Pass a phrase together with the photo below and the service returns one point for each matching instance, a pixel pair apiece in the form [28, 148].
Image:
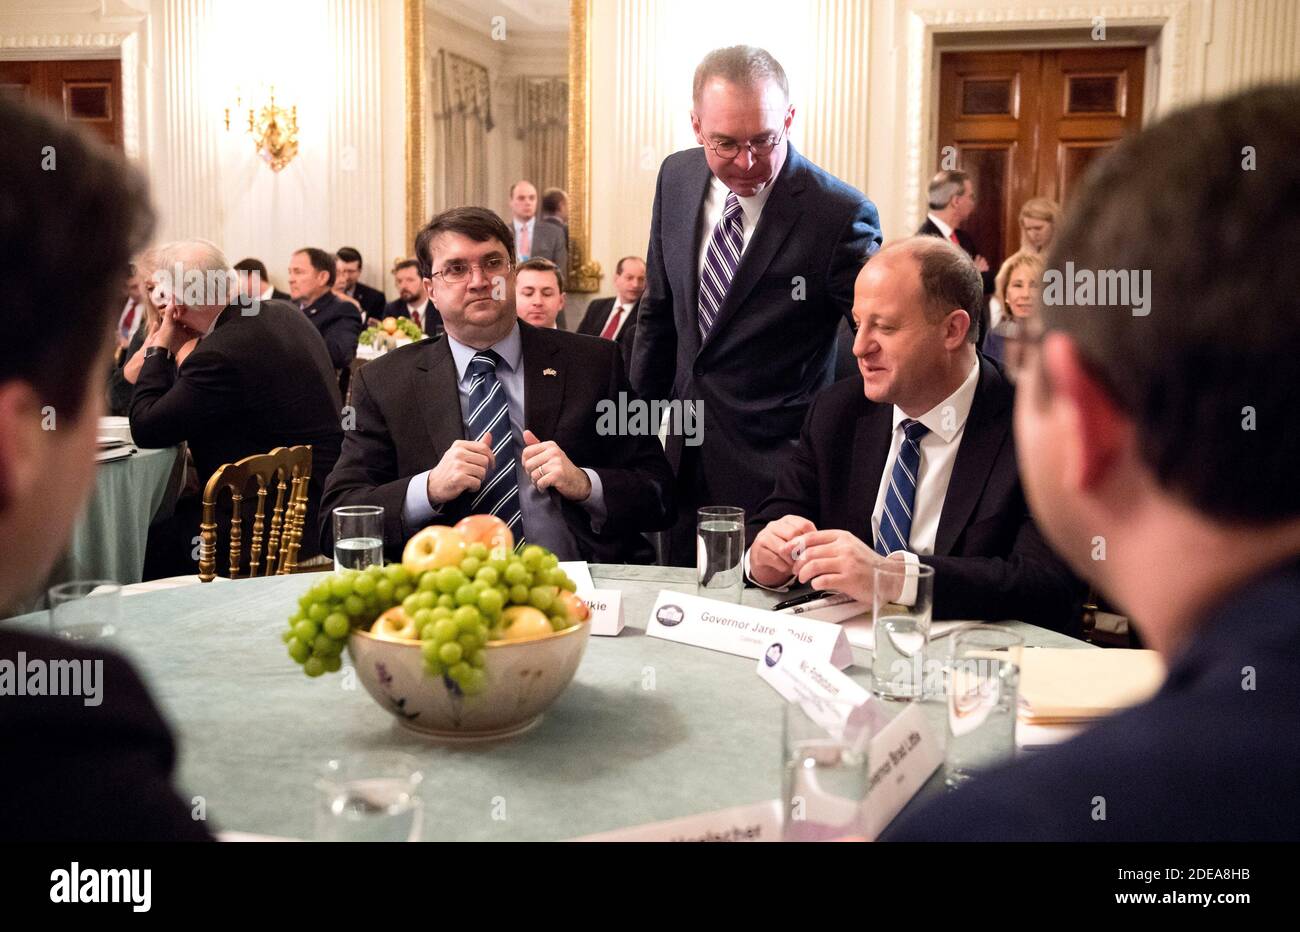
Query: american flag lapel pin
[549, 372]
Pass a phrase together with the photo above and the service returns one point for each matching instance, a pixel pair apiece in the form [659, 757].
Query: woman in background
[1040, 218]
[158, 301]
[1016, 288]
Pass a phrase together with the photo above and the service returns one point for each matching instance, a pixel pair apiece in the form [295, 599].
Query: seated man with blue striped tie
[915, 461]
[498, 417]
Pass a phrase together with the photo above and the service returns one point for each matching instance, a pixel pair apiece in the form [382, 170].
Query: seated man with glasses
[499, 417]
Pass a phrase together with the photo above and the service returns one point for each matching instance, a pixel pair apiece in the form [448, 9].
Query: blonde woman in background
[1016, 289]
[158, 301]
[1040, 218]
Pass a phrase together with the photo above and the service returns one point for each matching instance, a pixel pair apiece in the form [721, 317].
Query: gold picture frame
[584, 273]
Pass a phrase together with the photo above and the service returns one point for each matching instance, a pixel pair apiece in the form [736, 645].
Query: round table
[648, 730]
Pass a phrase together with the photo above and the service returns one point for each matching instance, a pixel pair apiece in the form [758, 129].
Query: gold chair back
[287, 470]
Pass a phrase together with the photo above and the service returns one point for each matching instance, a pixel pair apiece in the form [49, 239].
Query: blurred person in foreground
[95, 766]
[1166, 424]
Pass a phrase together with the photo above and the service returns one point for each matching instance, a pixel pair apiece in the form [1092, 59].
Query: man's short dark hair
[1206, 369]
[538, 264]
[476, 223]
[553, 200]
[253, 265]
[348, 254]
[321, 261]
[72, 214]
[618, 269]
[744, 65]
[949, 279]
[405, 264]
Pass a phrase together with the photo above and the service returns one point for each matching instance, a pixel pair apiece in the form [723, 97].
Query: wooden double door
[86, 92]
[1029, 123]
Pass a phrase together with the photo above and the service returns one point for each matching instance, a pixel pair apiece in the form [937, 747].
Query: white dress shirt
[715, 202]
[943, 227]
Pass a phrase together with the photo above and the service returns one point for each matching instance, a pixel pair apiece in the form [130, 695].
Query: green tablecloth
[610, 753]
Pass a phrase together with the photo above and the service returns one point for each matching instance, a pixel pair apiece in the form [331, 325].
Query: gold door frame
[584, 273]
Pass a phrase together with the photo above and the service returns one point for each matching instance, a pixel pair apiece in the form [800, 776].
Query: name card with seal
[756, 822]
[606, 607]
[829, 697]
[741, 630]
[901, 759]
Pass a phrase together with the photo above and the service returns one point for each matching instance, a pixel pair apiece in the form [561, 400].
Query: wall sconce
[273, 129]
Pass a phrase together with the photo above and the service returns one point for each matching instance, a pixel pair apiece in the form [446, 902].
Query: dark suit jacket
[340, 324]
[551, 241]
[768, 353]
[432, 324]
[988, 278]
[255, 383]
[1205, 759]
[88, 773]
[408, 414]
[989, 560]
[372, 300]
[593, 322]
[279, 295]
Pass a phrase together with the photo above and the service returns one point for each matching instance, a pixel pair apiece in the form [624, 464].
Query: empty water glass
[85, 609]
[983, 688]
[825, 773]
[373, 797]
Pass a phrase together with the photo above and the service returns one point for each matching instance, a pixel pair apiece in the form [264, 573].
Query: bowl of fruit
[465, 639]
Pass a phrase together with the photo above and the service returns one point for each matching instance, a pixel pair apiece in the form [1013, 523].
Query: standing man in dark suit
[538, 237]
[96, 766]
[615, 318]
[413, 300]
[914, 461]
[753, 253]
[347, 281]
[952, 200]
[311, 278]
[1158, 445]
[256, 381]
[498, 417]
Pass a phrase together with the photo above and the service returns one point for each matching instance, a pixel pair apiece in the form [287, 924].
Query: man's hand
[769, 560]
[548, 467]
[461, 469]
[981, 264]
[171, 333]
[838, 560]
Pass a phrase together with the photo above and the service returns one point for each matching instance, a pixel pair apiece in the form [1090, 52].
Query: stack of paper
[1063, 690]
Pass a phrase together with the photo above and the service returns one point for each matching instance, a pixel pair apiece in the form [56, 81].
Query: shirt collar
[750, 206]
[943, 227]
[944, 425]
[510, 348]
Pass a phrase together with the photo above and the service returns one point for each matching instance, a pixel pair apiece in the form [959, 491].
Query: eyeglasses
[453, 273]
[729, 150]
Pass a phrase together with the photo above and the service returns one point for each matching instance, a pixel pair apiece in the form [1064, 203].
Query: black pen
[809, 597]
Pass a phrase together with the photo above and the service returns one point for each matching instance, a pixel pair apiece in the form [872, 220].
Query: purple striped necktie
[720, 262]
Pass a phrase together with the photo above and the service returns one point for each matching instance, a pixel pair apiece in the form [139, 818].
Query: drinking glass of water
[358, 537]
[372, 797]
[85, 609]
[720, 547]
[825, 776]
[983, 688]
[901, 601]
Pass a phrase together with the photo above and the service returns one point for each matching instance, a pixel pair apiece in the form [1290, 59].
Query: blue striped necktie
[896, 518]
[499, 493]
[720, 262]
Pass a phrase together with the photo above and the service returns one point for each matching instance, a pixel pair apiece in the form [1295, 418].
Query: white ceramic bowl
[523, 679]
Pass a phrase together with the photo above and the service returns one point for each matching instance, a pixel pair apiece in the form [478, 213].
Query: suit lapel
[544, 379]
[685, 232]
[870, 449]
[983, 437]
[778, 219]
[434, 376]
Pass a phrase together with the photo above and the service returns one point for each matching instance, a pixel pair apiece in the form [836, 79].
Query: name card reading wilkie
[606, 607]
[738, 629]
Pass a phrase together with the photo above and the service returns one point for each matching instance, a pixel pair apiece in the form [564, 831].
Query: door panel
[85, 92]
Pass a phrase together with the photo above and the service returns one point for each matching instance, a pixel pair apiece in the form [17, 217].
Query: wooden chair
[288, 470]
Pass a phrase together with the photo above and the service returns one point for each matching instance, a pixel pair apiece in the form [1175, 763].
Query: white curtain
[542, 117]
[462, 118]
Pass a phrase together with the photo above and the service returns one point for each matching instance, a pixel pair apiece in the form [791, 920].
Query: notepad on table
[1061, 685]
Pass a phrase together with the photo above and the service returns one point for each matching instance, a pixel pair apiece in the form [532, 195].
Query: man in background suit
[1160, 426]
[498, 417]
[255, 281]
[615, 318]
[952, 200]
[914, 461]
[97, 766]
[536, 237]
[256, 381]
[311, 278]
[555, 209]
[413, 300]
[347, 281]
[753, 253]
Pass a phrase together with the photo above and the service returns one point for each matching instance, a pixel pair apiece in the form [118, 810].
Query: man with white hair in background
[260, 378]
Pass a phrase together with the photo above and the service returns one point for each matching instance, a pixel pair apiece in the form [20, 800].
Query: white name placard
[757, 822]
[828, 696]
[901, 759]
[741, 630]
[606, 607]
